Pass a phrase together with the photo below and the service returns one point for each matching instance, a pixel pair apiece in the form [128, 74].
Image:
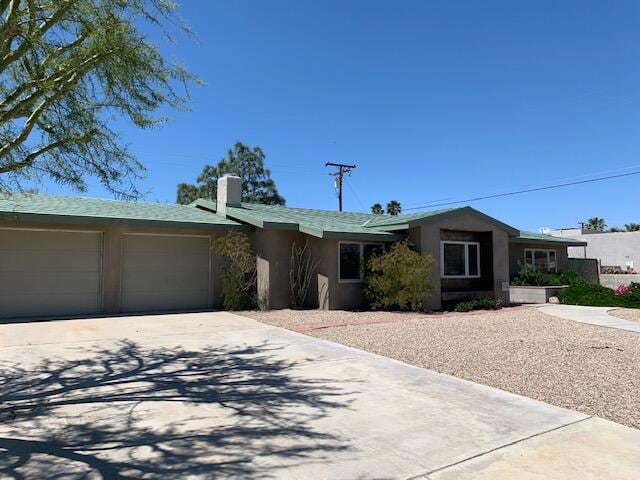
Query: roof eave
[549, 241]
[90, 220]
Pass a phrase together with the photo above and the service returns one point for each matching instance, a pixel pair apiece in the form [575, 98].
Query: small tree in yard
[398, 278]
[239, 275]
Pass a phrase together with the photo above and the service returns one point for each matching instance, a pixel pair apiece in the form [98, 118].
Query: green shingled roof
[530, 237]
[94, 210]
[319, 223]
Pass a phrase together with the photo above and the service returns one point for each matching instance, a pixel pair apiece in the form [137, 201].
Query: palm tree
[377, 209]
[596, 223]
[394, 207]
[632, 227]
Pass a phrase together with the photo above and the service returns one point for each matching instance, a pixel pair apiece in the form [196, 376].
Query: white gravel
[577, 366]
[632, 314]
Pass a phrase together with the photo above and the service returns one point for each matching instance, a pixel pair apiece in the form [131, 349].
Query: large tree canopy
[241, 160]
[68, 68]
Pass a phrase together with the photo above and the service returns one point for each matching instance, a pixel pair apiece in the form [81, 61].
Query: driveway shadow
[134, 412]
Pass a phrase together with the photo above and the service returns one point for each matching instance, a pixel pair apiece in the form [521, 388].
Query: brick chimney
[229, 193]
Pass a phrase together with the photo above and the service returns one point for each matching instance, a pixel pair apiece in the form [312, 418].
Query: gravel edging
[581, 367]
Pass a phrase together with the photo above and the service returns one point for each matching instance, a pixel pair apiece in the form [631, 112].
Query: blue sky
[432, 100]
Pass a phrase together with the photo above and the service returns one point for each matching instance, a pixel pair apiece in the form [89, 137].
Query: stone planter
[527, 294]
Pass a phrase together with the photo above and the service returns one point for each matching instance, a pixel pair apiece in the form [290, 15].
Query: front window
[460, 259]
[353, 259]
[541, 260]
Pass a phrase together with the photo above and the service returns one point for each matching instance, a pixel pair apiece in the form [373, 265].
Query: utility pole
[338, 174]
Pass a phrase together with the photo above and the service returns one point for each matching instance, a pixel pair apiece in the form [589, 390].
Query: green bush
[398, 278]
[595, 295]
[478, 304]
[238, 271]
[530, 277]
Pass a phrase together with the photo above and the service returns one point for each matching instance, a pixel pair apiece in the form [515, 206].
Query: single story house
[74, 255]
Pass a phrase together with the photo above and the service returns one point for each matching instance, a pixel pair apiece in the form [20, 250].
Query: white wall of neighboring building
[611, 248]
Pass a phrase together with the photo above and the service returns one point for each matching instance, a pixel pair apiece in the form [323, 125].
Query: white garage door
[165, 272]
[45, 273]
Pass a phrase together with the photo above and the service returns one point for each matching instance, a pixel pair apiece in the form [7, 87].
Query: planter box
[614, 280]
[526, 294]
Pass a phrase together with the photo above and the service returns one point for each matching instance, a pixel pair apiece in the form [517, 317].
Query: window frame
[361, 260]
[466, 258]
[533, 258]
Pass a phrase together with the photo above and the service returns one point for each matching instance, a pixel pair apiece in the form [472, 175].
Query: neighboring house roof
[87, 210]
[332, 224]
[530, 237]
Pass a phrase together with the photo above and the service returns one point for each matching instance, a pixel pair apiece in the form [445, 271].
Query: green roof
[319, 223]
[530, 237]
[93, 210]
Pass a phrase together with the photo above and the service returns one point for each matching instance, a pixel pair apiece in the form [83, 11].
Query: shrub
[530, 277]
[595, 295]
[301, 270]
[238, 271]
[478, 304]
[398, 278]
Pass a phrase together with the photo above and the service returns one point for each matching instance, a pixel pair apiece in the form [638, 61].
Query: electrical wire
[528, 190]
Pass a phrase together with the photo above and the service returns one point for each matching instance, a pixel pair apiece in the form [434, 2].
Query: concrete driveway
[215, 395]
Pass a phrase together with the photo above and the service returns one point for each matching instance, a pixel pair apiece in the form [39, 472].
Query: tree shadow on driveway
[135, 412]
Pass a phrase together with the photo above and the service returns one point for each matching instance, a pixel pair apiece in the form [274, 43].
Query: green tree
[67, 69]
[399, 278]
[239, 274]
[615, 229]
[596, 223]
[377, 209]
[248, 164]
[394, 207]
[632, 227]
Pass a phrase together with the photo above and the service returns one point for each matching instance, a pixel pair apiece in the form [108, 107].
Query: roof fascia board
[458, 211]
[86, 220]
[568, 243]
[358, 236]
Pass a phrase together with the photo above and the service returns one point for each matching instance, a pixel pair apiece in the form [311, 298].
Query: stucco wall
[516, 255]
[429, 237]
[612, 249]
[112, 255]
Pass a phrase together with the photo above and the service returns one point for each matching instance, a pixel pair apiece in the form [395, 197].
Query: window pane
[453, 258]
[473, 260]
[552, 261]
[350, 261]
[540, 260]
[528, 257]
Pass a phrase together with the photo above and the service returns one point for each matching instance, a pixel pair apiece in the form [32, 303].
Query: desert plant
[478, 304]
[238, 271]
[398, 278]
[530, 277]
[596, 295]
[301, 269]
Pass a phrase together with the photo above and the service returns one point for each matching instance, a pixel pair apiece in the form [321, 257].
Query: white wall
[612, 249]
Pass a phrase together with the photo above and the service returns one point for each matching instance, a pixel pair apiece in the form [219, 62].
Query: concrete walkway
[592, 315]
[215, 395]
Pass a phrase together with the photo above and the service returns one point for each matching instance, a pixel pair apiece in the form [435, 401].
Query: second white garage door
[165, 272]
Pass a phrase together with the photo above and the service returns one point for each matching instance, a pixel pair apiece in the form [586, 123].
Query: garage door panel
[165, 282]
[154, 262]
[49, 272]
[165, 272]
[50, 240]
[43, 261]
[166, 244]
[16, 283]
[34, 305]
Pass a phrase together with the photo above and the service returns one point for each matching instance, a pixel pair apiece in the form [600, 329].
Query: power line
[517, 192]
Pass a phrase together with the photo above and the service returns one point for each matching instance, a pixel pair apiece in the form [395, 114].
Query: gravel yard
[632, 314]
[582, 367]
